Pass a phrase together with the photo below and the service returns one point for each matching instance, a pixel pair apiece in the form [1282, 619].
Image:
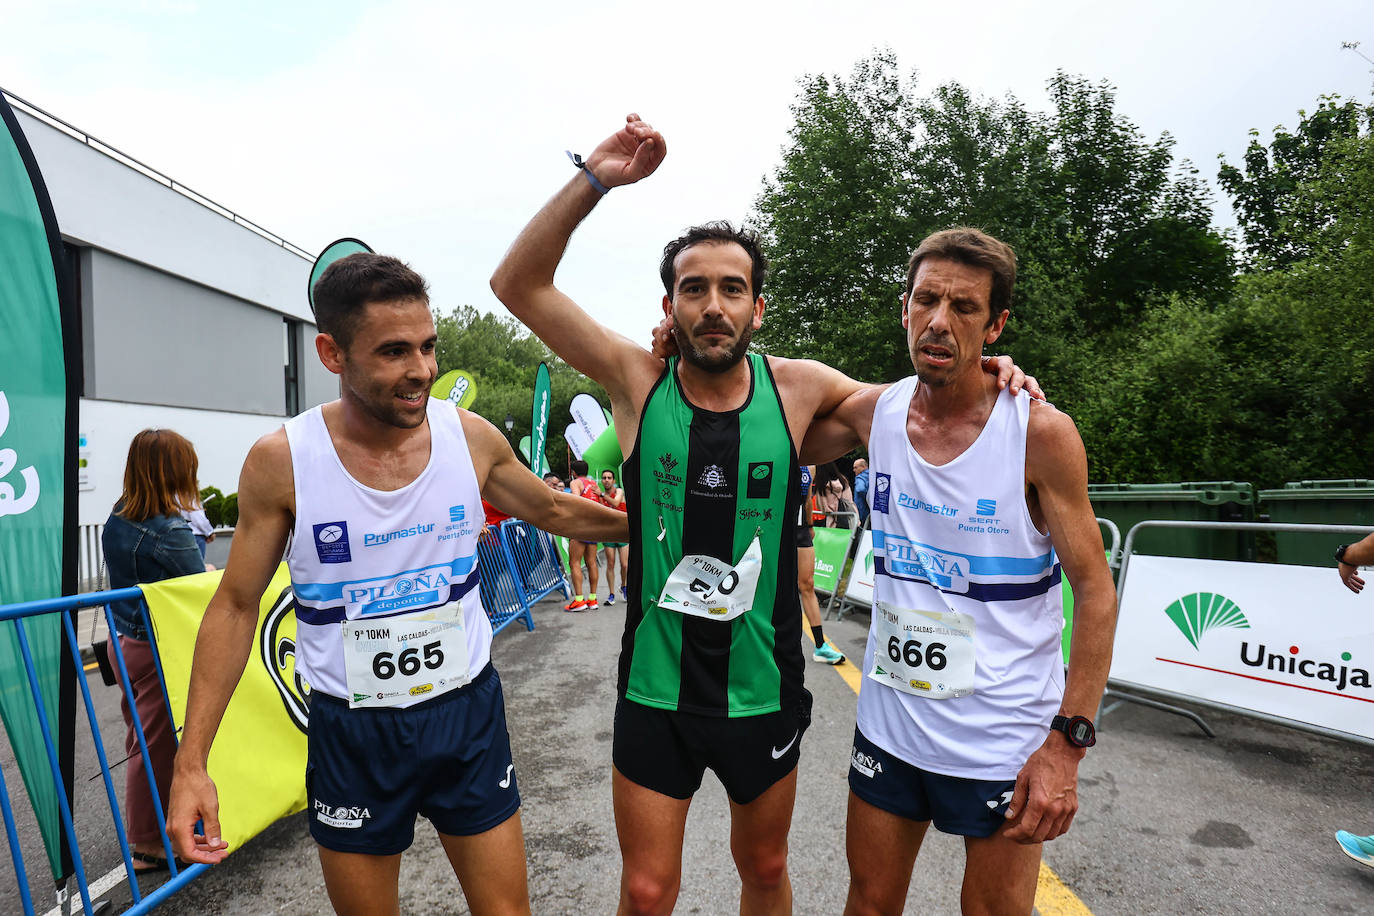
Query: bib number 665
[910, 653]
[408, 661]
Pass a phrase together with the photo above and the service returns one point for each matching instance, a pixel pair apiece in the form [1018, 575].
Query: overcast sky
[435, 130]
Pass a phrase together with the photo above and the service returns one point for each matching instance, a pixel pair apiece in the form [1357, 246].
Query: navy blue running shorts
[370, 771]
[965, 807]
[669, 751]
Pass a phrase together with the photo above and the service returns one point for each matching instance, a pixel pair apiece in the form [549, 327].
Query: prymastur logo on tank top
[331, 542]
[908, 560]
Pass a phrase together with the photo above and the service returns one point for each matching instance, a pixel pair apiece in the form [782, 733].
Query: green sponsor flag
[524, 450]
[832, 545]
[40, 353]
[456, 386]
[539, 421]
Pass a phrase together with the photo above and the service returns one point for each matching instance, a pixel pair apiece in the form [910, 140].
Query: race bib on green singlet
[927, 654]
[397, 659]
[703, 586]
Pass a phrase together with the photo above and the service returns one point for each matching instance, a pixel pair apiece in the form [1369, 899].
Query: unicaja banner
[40, 353]
[258, 758]
[1288, 641]
[832, 546]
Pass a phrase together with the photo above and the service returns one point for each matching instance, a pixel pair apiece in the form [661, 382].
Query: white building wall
[106, 204]
[222, 441]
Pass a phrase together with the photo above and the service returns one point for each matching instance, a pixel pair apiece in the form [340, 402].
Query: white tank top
[359, 552]
[959, 538]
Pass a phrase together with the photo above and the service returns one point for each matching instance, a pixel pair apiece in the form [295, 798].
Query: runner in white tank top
[369, 556]
[380, 494]
[956, 545]
[979, 501]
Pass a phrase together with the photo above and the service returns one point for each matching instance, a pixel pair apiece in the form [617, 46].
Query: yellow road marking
[1052, 895]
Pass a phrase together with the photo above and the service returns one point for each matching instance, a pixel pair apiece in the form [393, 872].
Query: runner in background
[614, 553]
[806, 574]
[580, 552]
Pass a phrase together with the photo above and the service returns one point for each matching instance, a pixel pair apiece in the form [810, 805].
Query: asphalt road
[1170, 821]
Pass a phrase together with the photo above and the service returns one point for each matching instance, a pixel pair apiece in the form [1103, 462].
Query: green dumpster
[1326, 502]
[1205, 501]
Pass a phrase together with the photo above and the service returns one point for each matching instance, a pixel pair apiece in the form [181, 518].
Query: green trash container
[1195, 501]
[1326, 502]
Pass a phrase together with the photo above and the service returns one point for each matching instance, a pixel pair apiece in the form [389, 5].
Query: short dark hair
[720, 233]
[579, 467]
[973, 248]
[350, 283]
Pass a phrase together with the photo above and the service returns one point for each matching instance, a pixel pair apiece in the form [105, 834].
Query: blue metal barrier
[537, 566]
[502, 594]
[179, 877]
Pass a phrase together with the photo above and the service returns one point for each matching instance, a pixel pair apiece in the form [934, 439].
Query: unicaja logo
[10, 504]
[1199, 612]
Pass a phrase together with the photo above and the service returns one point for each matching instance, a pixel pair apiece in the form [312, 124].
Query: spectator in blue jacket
[147, 540]
[861, 488]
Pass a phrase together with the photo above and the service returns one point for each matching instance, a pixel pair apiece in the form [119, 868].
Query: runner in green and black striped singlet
[702, 482]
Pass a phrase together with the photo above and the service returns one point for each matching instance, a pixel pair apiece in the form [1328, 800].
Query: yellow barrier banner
[258, 758]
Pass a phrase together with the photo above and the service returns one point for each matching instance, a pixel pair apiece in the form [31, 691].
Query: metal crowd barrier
[502, 594]
[1153, 697]
[178, 877]
[537, 566]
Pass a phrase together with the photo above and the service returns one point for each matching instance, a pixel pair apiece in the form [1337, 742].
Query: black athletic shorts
[964, 807]
[669, 751]
[805, 536]
[370, 771]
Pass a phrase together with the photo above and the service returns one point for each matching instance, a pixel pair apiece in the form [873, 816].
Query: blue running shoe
[1359, 848]
[827, 654]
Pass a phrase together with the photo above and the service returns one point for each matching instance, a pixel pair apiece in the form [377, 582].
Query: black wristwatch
[1078, 729]
[1340, 555]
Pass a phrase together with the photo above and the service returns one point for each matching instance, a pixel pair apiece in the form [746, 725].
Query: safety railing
[502, 595]
[537, 566]
[15, 615]
[1155, 697]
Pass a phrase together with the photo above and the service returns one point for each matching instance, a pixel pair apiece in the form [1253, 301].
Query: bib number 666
[408, 662]
[910, 652]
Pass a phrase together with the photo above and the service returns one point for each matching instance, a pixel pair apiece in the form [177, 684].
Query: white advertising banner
[1288, 641]
[860, 588]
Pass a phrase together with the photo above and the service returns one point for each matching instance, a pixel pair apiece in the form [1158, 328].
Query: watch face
[1081, 732]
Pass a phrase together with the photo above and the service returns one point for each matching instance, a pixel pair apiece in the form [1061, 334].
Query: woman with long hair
[833, 496]
[147, 540]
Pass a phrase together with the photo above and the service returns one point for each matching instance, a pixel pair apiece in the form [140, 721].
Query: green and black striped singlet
[701, 482]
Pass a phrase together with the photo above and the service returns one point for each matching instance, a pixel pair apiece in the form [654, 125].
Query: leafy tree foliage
[1128, 304]
[1101, 219]
[1281, 219]
[503, 356]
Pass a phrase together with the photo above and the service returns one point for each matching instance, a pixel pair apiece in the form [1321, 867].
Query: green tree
[503, 356]
[1272, 191]
[1102, 220]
